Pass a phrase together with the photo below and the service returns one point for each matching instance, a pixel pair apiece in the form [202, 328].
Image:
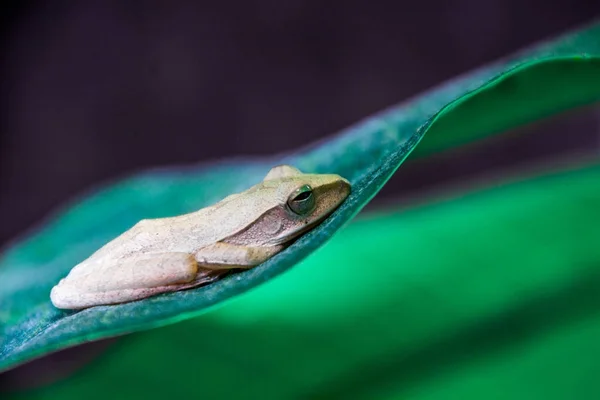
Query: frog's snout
[343, 188]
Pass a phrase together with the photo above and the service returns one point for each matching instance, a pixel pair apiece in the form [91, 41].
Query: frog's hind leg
[131, 278]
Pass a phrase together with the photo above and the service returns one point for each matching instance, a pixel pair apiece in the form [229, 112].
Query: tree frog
[175, 253]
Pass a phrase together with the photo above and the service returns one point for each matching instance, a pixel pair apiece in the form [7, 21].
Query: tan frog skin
[169, 254]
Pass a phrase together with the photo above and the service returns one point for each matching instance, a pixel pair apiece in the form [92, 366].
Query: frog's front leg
[223, 255]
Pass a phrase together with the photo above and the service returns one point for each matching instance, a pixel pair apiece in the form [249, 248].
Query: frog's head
[302, 201]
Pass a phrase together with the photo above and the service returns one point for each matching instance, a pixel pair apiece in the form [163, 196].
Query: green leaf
[492, 294]
[367, 154]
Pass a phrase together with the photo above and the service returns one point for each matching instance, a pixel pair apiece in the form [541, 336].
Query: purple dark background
[94, 90]
[97, 89]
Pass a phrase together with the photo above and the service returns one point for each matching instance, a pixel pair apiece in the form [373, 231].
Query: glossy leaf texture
[488, 294]
[536, 82]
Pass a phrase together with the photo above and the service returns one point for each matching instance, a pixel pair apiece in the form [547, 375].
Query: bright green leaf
[367, 154]
[486, 295]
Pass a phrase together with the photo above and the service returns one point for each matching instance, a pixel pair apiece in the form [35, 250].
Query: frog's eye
[302, 201]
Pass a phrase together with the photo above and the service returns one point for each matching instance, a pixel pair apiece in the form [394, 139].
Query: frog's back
[190, 232]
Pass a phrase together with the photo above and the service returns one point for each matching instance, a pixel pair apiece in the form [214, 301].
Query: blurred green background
[484, 294]
[485, 287]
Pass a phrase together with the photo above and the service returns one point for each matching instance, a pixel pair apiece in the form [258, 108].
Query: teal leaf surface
[531, 84]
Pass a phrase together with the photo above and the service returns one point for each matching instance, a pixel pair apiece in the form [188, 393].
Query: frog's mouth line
[288, 241]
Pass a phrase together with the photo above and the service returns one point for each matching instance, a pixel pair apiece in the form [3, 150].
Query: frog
[241, 231]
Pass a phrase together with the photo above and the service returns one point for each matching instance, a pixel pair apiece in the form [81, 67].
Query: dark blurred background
[94, 90]
[97, 89]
